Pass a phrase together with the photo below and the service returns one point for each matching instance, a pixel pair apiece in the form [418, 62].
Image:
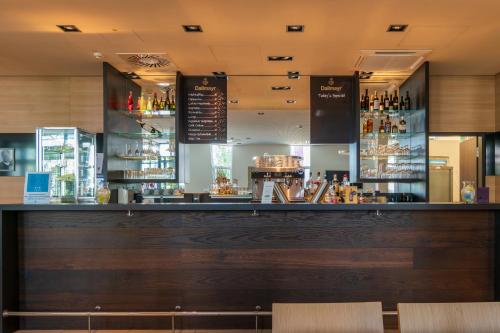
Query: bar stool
[328, 317]
[449, 317]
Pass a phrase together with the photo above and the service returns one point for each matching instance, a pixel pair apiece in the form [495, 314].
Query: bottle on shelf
[362, 102]
[401, 103]
[386, 101]
[141, 103]
[395, 128]
[391, 106]
[155, 103]
[381, 128]
[365, 126]
[130, 102]
[149, 105]
[369, 125]
[167, 101]
[376, 102]
[172, 101]
[367, 100]
[402, 125]
[381, 105]
[387, 125]
[407, 101]
[161, 106]
[395, 101]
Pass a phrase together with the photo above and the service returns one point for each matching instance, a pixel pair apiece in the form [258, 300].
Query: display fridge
[69, 155]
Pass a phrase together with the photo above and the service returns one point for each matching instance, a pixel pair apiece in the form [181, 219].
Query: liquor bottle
[365, 126]
[130, 102]
[401, 103]
[395, 128]
[143, 104]
[381, 105]
[172, 101]
[167, 101]
[391, 106]
[407, 101]
[376, 102]
[336, 186]
[362, 102]
[161, 106]
[155, 104]
[369, 125]
[395, 101]
[149, 105]
[370, 104]
[402, 125]
[386, 101]
[387, 125]
[381, 128]
[367, 100]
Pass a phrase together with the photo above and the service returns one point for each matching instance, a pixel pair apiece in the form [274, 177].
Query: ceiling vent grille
[390, 61]
[146, 60]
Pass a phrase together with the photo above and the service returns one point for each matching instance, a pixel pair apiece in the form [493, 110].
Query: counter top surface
[249, 206]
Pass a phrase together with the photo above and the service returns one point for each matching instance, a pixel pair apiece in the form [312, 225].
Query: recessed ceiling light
[291, 101]
[295, 28]
[68, 28]
[192, 28]
[293, 75]
[397, 27]
[279, 58]
[234, 101]
[220, 75]
[260, 113]
[163, 84]
[366, 73]
[281, 88]
[364, 77]
[131, 75]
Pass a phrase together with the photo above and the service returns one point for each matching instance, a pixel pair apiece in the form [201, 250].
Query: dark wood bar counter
[234, 257]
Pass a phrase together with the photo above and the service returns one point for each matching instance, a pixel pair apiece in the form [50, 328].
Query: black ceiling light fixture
[293, 75]
[192, 28]
[68, 28]
[365, 75]
[279, 58]
[220, 75]
[397, 27]
[281, 88]
[234, 101]
[291, 101]
[295, 28]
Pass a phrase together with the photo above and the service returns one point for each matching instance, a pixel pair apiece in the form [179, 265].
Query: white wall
[198, 172]
[326, 157]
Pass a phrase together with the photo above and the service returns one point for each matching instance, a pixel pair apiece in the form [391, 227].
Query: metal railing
[173, 314]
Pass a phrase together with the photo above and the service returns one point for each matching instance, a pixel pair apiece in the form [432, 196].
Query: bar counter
[236, 256]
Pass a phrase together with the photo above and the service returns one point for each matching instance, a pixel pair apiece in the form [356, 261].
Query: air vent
[148, 60]
[390, 61]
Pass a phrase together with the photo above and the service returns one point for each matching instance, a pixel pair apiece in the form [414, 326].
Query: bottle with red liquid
[130, 102]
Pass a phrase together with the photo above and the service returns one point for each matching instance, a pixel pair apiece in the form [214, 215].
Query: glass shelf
[144, 135]
[141, 180]
[390, 180]
[377, 135]
[136, 114]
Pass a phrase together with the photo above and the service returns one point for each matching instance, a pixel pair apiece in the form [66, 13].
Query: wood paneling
[497, 102]
[234, 261]
[11, 190]
[462, 104]
[449, 317]
[30, 102]
[493, 183]
[328, 317]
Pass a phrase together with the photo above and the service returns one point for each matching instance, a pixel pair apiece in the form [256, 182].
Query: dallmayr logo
[331, 86]
[204, 86]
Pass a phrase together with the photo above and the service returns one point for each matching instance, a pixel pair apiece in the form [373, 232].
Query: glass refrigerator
[69, 155]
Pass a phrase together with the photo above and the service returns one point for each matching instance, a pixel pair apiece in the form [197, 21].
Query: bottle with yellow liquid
[103, 194]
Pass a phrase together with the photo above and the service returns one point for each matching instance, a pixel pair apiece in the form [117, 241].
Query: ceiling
[238, 34]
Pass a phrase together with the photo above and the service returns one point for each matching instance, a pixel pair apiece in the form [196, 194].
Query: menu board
[204, 118]
[333, 115]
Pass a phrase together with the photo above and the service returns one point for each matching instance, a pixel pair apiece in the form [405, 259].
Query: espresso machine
[285, 171]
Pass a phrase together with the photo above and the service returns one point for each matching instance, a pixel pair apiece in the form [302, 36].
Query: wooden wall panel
[462, 104]
[497, 102]
[11, 190]
[73, 261]
[86, 100]
[30, 102]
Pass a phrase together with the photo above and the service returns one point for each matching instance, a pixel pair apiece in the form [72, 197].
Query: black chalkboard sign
[333, 109]
[204, 110]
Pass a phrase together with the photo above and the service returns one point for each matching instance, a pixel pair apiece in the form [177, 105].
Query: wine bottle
[161, 106]
[143, 105]
[149, 105]
[362, 102]
[402, 125]
[167, 101]
[369, 125]
[401, 103]
[407, 101]
[395, 101]
[172, 102]
[155, 104]
[386, 101]
[376, 102]
[381, 128]
[387, 125]
[367, 100]
[391, 105]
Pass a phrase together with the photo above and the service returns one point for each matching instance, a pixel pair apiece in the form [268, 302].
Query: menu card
[205, 109]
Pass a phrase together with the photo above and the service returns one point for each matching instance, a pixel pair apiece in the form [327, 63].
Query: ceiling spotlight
[279, 58]
[192, 28]
[68, 28]
[364, 77]
[397, 27]
[97, 55]
[281, 88]
[260, 113]
[234, 101]
[295, 28]
[220, 75]
[163, 84]
[291, 101]
[131, 75]
[293, 75]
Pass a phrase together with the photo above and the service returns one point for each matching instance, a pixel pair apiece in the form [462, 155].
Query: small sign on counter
[36, 188]
[267, 192]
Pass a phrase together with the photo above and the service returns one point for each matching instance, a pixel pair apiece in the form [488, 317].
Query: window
[222, 161]
[305, 153]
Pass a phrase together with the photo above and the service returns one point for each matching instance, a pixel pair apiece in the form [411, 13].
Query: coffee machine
[285, 171]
